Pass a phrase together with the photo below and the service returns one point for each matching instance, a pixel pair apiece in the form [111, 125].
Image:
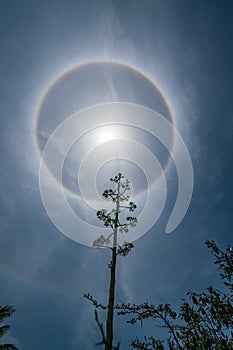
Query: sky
[62, 57]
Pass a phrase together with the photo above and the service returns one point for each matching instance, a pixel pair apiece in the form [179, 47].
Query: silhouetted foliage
[6, 311]
[204, 321]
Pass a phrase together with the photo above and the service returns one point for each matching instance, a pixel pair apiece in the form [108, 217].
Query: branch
[102, 242]
[6, 311]
[8, 347]
[94, 302]
[145, 311]
[125, 249]
[103, 341]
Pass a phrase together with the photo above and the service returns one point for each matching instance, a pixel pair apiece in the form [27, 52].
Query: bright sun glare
[107, 133]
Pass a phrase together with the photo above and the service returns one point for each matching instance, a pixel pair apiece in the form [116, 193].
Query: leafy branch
[204, 321]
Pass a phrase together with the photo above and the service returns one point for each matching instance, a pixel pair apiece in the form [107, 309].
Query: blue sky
[185, 48]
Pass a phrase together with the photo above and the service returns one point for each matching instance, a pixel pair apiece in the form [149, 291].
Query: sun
[107, 133]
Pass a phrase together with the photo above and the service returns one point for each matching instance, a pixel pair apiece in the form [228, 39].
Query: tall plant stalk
[111, 295]
[113, 219]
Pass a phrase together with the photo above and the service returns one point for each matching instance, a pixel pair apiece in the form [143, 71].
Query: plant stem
[111, 296]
